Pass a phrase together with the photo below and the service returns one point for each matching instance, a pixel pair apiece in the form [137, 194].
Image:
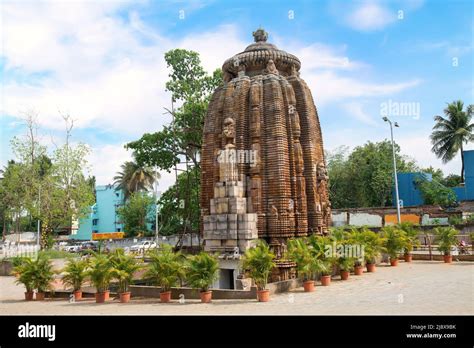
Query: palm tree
[451, 132]
[134, 178]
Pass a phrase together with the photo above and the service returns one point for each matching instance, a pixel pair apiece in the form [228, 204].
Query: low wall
[438, 257]
[6, 267]
[217, 294]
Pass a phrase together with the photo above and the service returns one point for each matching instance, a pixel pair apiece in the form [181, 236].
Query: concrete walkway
[421, 287]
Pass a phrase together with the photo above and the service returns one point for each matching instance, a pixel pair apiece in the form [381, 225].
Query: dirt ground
[421, 287]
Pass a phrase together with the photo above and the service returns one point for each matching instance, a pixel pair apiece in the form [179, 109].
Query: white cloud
[370, 15]
[355, 109]
[328, 86]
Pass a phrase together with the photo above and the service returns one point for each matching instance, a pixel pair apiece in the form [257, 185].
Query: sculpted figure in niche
[321, 172]
[228, 130]
[271, 68]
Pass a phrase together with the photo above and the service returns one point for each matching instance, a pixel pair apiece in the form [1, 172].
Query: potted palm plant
[165, 269]
[325, 268]
[373, 246]
[23, 270]
[411, 239]
[202, 273]
[446, 237]
[43, 275]
[298, 251]
[395, 240]
[355, 238]
[258, 261]
[123, 268]
[345, 265]
[75, 274]
[100, 274]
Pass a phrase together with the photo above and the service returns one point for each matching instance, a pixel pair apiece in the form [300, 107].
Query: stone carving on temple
[264, 106]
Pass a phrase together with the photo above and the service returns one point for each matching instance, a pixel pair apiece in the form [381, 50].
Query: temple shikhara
[263, 167]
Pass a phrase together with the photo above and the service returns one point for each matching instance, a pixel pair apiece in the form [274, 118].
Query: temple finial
[260, 35]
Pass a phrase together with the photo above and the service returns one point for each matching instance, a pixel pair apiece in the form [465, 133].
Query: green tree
[181, 140]
[136, 213]
[450, 133]
[173, 213]
[135, 178]
[364, 178]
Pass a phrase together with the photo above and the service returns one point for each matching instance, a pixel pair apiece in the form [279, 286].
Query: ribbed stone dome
[255, 57]
[277, 186]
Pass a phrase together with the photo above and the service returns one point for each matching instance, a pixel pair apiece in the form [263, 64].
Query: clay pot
[165, 296]
[358, 270]
[78, 295]
[107, 294]
[325, 280]
[206, 296]
[448, 258]
[125, 297]
[29, 295]
[408, 257]
[344, 275]
[40, 296]
[263, 295]
[393, 262]
[101, 297]
[308, 286]
[370, 267]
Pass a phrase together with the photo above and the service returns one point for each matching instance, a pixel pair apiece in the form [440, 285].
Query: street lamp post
[399, 219]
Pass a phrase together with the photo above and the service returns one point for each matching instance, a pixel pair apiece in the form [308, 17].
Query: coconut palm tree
[134, 178]
[451, 132]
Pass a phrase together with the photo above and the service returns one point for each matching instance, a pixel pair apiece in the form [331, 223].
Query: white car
[142, 246]
[72, 248]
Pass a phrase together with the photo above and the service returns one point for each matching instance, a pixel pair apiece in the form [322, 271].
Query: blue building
[410, 195]
[103, 214]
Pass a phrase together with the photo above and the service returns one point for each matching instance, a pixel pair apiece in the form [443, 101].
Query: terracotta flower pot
[263, 295]
[448, 258]
[408, 257]
[29, 295]
[78, 295]
[393, 262]
[358, 270]
[370, 267]
[100, 297]
[344, 275]
[206, 296]
[107, 294]
[40, 296]
[125, 297]
[165, 296]
[325, 280]
[308, 286]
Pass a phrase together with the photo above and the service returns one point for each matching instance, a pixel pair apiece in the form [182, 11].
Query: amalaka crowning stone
[263, 166]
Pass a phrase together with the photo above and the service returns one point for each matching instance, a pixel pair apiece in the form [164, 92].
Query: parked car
[86, 246]
[75, 248]
[143, 245]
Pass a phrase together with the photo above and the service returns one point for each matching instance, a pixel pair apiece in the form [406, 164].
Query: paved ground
[422, 287]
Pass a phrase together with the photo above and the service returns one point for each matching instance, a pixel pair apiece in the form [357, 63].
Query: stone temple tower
[263, 167]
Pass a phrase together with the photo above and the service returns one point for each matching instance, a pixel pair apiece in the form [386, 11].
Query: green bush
[75, 273]
[166, 267]
[258, 262]
[201, 271]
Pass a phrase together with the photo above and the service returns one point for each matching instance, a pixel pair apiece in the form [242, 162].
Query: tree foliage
[136, 214]
[364, 178]
[450, 133]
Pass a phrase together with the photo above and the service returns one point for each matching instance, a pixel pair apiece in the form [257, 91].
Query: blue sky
[102, 62]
